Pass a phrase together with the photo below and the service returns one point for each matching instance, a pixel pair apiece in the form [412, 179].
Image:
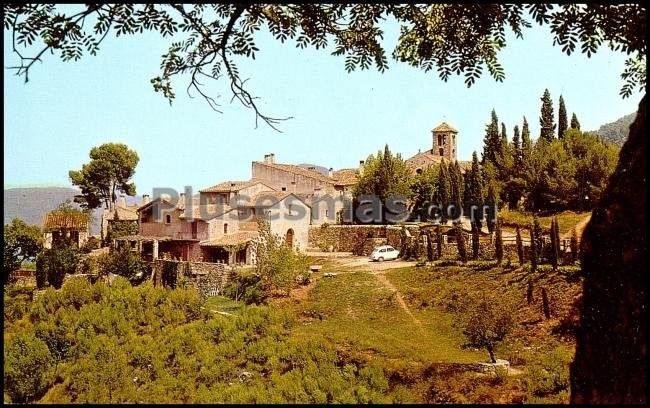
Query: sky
[339, 118]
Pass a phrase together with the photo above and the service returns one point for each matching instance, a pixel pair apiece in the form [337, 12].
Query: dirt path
[400, 300]
[351, 264]
[579, 228]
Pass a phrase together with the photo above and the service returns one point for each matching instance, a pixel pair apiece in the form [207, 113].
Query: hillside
[616, 132]
[31, 204]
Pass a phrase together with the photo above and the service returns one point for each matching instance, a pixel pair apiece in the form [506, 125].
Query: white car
[384, 253]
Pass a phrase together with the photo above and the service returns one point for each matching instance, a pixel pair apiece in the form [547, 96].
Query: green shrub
[549, 373]
[125, 263]
[91, 244]
[53, 264]
[27, 364]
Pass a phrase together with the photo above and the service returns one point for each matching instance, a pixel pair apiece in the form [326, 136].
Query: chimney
[232, 184]
[145, 199]
[361, 162]
[181, 200]
[330, 173]
[269, 158]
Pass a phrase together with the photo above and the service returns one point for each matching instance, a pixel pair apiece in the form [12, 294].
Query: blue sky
[53, 121]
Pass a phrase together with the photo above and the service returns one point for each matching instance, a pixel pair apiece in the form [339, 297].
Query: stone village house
[66, 225]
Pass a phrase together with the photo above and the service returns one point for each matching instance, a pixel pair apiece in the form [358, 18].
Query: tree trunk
[610, 360]
[545, 304]
[491, 351]
[529, 291]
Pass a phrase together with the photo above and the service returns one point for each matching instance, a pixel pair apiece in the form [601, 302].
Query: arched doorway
[288, 239]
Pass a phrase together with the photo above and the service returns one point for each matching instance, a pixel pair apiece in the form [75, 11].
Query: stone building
[443, 147]
[62, 225]
[121, 213]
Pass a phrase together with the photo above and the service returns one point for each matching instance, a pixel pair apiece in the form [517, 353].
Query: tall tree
[475, 194]
[492, 203]
[526, 142]
[546, 118]
[22, 242]
[461, 243]
[444, 190]
[520, 248]
[475, 241]
[498, 242]
[491, 140]
[456, 188]
[518, 157]
[562, 123]
[575, 124]
[109, 171]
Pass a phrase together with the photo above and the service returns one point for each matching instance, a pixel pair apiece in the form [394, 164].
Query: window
[225, 228]
[284, 189]
[168, 219]
[439, 140]
[327, 213]
[382, 250]
[441, 151]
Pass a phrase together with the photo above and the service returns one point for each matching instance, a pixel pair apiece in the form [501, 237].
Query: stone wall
[357, 239]
[207, 277]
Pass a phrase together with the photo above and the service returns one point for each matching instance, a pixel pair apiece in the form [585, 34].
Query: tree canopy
[109, 171]
[210, 41]
[22, 242]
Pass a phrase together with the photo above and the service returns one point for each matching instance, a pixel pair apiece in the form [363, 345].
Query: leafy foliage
[53, 264]
[126, 263]
[108, 172]
[210, 40]
[21, 242]
[27, 367]
[486, 321]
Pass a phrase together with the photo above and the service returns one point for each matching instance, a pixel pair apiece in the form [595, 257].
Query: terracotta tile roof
[444, 127]
[427, 158]
[346, 177]
[267, 199]
[74, 220]
[229, 186]
[301, 171]
[235, 238]
[124, 214]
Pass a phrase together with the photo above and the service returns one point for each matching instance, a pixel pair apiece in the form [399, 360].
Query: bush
[245, 287]
[91, 244]
[125, 263]
[549, 373]
[53, 264]
[27, 362]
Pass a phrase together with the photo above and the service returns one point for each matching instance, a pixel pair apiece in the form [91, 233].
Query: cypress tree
[536, 236]
[475, 241]
[444, 190]
[546, 304]
[546, 120]
[533, 250]
[562, 123]
[516, 147]
[574, 246]
[492, 202]
[460, 241]
[456, 188]
[476, 191]
[492, 140]
[575, 124]
[439, 241]
[529, 291]
[555, 253]
[520, 247]
[498, 242]
[526, 143]
[504, 135]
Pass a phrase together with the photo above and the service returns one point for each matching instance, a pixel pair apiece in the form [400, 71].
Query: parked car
[384, 253]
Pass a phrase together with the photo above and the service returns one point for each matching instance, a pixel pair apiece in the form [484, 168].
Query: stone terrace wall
[209, 278]
[353, 238]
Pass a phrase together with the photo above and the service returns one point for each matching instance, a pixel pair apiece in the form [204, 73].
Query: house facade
[66, 226]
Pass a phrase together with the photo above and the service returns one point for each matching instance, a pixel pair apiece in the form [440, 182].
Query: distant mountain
[616, 132]
[320, 169]
[31, 204]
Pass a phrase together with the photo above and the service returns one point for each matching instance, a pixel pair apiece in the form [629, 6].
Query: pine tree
[562, 124]
[439, 241]
[492, 140]
[475, 241]
[520, 247]
[574, 246]
[517, 150]
[575, 124]
[475, 193]
[444, 190]
[546, 120]
[460, 241]
[498, 242]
